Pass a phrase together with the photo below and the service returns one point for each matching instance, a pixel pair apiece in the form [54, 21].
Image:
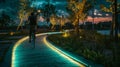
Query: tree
[53, 21]
[10, 8]
[93, 4]
[114, 8]
[62, 21]
[79, 10]
[48, 10]
[4, 19]
[61, 18]
[24, 11]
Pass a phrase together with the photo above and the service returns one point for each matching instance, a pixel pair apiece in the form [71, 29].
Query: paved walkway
[42, 56]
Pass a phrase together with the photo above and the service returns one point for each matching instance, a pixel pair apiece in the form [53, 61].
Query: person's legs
[34, 31]
[30, 33]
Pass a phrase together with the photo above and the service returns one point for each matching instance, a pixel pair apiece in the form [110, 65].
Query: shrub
[90, 45]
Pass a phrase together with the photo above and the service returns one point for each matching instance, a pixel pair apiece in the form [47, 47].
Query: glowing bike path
[43, 55]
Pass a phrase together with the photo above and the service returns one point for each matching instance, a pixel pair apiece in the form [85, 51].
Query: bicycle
[32, 36]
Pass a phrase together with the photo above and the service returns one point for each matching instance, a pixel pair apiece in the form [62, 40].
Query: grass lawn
[91, 45]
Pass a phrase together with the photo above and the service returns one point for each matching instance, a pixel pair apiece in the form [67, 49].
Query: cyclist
[33, 23]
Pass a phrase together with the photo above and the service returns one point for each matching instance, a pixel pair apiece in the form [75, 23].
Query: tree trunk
[116, 21]
[116, 32]
[77, 27]
[112, 28]
[52, 28]
[60, 24]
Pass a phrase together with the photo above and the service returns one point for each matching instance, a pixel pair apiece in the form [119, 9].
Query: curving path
[44, 55]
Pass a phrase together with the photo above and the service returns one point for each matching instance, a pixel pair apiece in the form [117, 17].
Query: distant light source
[39, 11]
[99, 14]
[11, 33]
[107, 14]
[80, 37]
[95, 13]
[66, 34]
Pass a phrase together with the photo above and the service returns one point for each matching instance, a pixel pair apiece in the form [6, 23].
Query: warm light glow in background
[99, 19]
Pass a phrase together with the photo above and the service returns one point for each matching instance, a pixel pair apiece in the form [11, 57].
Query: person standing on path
[32, 23]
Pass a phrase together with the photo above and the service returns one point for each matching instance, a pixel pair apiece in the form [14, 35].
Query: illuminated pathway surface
[24, 55]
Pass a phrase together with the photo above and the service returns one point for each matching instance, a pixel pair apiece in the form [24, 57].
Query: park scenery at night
[59, 33]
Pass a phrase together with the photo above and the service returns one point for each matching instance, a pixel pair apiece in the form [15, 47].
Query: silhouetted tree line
[4, 19]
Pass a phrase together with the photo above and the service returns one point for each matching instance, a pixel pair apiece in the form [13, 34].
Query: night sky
[60, 5]
[100, 16]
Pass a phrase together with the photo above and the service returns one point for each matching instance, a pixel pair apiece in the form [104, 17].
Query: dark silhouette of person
[33, 23]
